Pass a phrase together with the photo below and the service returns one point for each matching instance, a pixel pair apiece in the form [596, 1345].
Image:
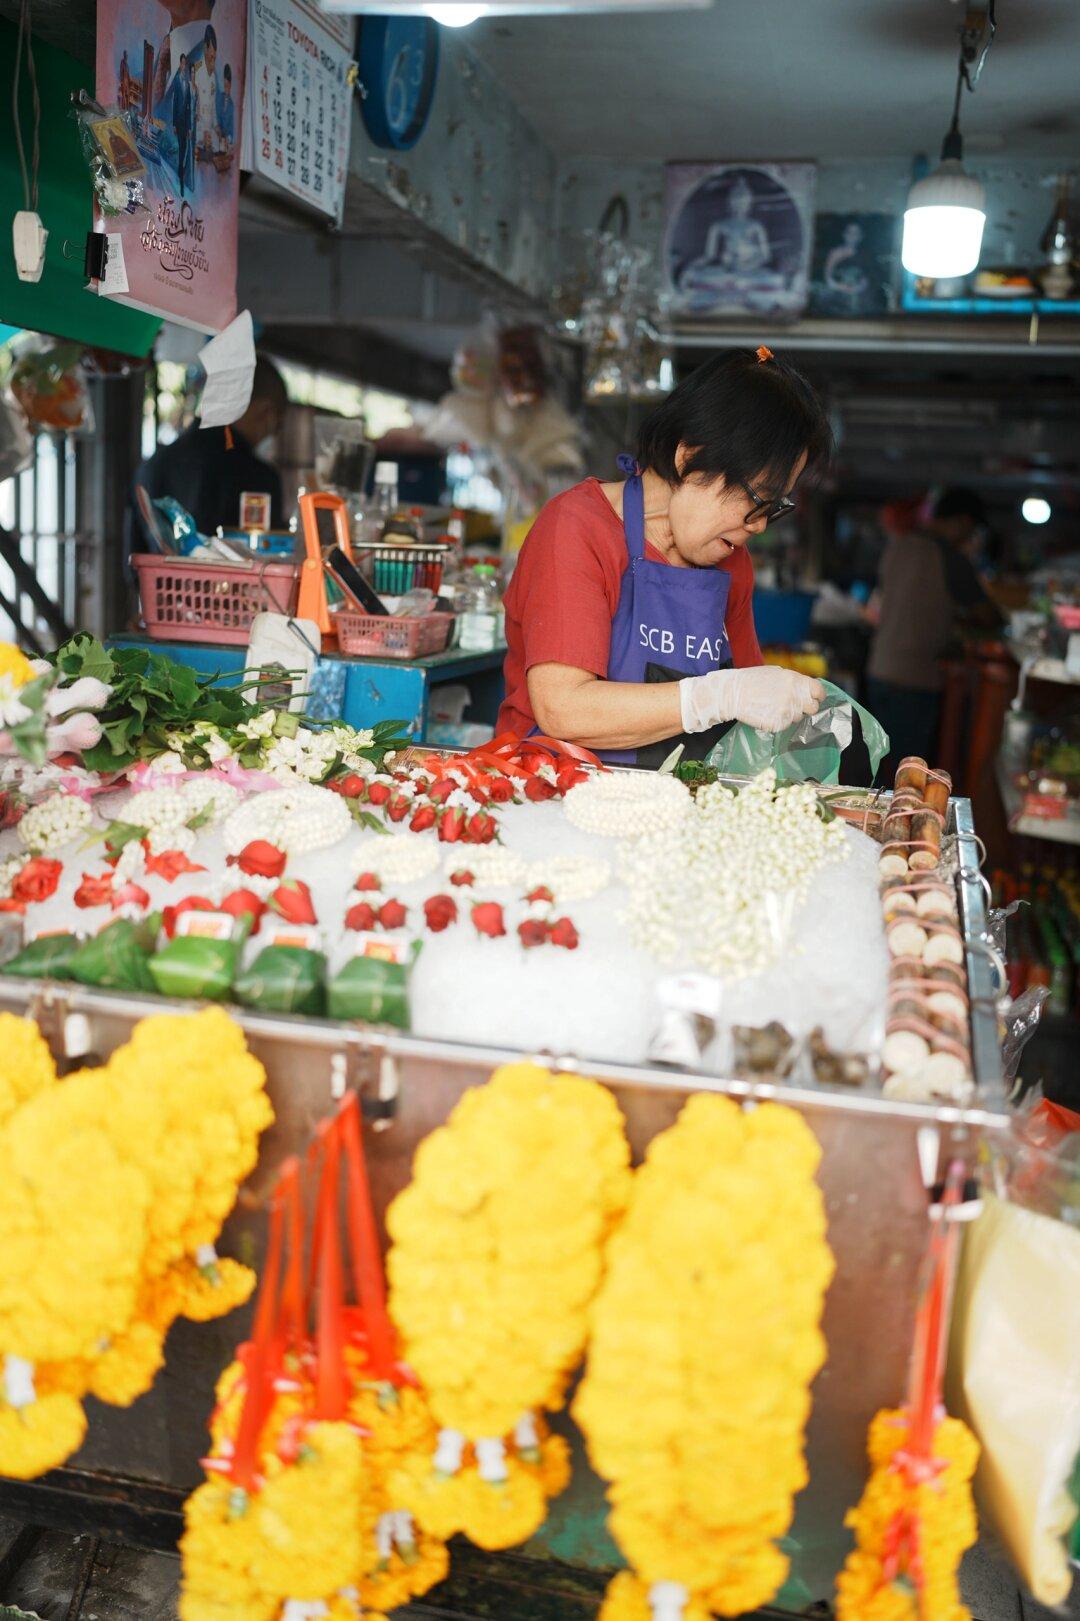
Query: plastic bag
[284, 979]
[46, 958]
[1016, 1379]
[48, 384]
[118, 959]
[1021, 1020]
[110, 147]
[809, 751]
[16, 440]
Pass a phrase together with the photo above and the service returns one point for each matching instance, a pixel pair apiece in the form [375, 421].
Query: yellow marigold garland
[912, 1527]
[497, 1254]
[116, 1183]
[705, 1340]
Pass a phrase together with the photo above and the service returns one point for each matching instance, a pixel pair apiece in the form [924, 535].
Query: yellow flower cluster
[387, 1560]
[497, 1254]
[116, 1183]
[912, 1527]
[705, 1340]
[15, 665]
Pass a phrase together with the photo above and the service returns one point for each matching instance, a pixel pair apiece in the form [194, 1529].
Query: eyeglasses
[772, 509]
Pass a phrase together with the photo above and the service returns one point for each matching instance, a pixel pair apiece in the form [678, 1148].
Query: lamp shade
[943, 223]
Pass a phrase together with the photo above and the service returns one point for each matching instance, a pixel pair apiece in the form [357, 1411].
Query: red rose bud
[451, 824]
[422, 818]
[399, 807]
[130, 894]
[292, 901]
[378, 793]
[541, 894]
[361, 917]
[538, 789]
[366, 882]
[353, 786]
[439, 912]
[36, 881]
[481, 828]
[169, 864]
[260, 859]
[568, 776]
[488, 919]
[94, 891]
[463, 878]
[532, 932]
[243, 901]
[191, 903]
[439, 792]
[392, 915]
[500, 790]
[563, 933]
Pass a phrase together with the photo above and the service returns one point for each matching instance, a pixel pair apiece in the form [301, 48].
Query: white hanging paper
[229, 363]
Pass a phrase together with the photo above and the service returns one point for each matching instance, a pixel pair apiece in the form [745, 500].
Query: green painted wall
[59, 302]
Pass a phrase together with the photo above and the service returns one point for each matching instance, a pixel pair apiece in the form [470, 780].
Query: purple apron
[669, 624]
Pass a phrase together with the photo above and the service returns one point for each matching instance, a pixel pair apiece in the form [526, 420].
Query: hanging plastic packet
[110, 147]
[1021, 1020]
[808, 751]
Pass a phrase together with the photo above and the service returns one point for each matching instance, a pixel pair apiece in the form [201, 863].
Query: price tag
[115, 278]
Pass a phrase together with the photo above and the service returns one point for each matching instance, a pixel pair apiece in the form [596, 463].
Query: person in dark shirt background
[207, 476]
[929, 593]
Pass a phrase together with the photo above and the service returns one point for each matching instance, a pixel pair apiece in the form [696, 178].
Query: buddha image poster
[175, 69]
[738, 237]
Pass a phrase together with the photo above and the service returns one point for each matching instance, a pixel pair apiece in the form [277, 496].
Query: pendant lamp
[946, 211]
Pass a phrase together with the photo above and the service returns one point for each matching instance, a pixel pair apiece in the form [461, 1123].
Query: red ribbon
[364, 1244]
[331, 1387]
[259, 1363]
[511, 756]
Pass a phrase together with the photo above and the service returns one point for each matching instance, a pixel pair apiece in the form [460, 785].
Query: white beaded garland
[628, 804]
[54, 823]
[396, 858]
[295, 819]
[489, 863]
[570, 878]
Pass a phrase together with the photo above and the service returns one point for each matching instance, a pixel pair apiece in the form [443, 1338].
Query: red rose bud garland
[351, 787]
[533, 932]
[379, 793]
[488, 919]
[170, 864]
[260, 859]
[440, 792]
[462, 878]
[423, 818]
[362, 918]
[36, 881]
[563, 933]
[244, 902]
[94, 891]
[292, 901]
[538, 789]
[398, 807]
[439, 912]
[367, 883]
[480, 828]
[392, 915]
[451, 824]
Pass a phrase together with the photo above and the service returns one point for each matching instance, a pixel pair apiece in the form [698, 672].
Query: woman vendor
[629, 619]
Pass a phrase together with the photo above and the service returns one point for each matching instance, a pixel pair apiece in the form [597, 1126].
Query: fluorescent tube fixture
[456, 13]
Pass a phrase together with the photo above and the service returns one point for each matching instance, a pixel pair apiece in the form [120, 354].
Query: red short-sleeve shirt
[565, 590]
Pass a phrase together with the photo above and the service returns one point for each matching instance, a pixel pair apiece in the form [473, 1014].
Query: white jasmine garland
[54, 823]
[627, 804]
[295, 819]
[157, 808]
[10, 868]
[209, 794]
[307, 757]
[131, 861]
[489, 863]
[726, 882]
[570, 878]
[396, 858]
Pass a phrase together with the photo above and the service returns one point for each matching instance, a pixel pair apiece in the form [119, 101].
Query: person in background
[929, 593]
[226, 111]
[183, 116]
[207, 475]
[204, 81]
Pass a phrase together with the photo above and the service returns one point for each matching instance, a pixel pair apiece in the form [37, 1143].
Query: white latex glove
[765, 697]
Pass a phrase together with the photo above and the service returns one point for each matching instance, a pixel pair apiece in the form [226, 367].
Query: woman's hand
[765, 697]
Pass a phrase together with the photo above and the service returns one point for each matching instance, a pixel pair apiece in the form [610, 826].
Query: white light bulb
[943, 224]
[455, 15]
[1035, 509]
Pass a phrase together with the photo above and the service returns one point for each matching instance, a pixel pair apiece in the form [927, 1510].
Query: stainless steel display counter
[876, 1154]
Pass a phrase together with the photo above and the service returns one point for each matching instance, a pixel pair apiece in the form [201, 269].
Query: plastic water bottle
[479, 610]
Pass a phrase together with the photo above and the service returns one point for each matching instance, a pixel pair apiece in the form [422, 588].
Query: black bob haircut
[210, 37]
[743, 418]
[960, 503]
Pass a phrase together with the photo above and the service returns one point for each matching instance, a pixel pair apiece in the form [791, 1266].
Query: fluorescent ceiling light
[456, 16]
[1036, 510]
[506, 8]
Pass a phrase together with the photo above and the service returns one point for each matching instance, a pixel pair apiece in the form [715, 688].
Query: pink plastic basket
[210, 602]
[388, 638]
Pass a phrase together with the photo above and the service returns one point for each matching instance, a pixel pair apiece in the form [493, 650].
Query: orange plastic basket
[210, 602]
[380, 636]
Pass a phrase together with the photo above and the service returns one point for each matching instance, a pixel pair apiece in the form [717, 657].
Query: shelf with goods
[1060, 829]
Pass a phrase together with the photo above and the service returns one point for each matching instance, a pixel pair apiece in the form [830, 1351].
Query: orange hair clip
[764, 353]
